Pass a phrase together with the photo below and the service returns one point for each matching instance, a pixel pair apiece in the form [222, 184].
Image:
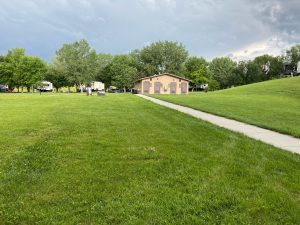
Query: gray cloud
[208, 28]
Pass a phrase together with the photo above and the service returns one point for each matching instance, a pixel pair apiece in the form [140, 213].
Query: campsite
[149, 112]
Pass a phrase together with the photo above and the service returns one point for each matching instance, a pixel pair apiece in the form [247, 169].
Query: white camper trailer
[46, 86]
[97, 86]
[298, 68]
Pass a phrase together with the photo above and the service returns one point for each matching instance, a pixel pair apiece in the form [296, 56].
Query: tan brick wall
[165, 81]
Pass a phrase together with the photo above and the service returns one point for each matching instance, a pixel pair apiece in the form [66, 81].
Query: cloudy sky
[209, 28]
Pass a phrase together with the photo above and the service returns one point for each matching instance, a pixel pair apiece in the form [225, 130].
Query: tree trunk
[69, 90]
[124, 89]
[18, 89]
[28, 89]
[22, 89]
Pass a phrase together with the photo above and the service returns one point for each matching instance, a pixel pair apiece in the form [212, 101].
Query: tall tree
[14, 62]
[79, 61]
[103, 60]
[195, 69]
[56, 74]
[295, 55]
[201, 76]
[163, 56]
[122, 71]
[223, 71]
[193, 64]
[33, 70]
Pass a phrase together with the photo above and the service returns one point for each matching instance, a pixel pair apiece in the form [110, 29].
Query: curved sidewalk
[276, 139]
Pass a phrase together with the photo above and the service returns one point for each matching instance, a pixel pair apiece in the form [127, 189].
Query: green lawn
[119, 159]
[272, 104]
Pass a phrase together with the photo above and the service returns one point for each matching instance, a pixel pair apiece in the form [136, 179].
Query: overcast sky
[208, 28]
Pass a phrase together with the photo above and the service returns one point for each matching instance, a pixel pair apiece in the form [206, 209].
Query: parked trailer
[46, 86]
[3, 88]
[97, 86]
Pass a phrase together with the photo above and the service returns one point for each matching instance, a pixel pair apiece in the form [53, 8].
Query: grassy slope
[72, 159]
[273, 104]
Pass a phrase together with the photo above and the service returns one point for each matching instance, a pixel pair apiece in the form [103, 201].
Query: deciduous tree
[163, 56]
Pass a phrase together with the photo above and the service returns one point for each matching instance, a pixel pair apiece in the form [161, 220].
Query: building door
[173, 86]
[157, 86]
[146, 87]
[183, 88]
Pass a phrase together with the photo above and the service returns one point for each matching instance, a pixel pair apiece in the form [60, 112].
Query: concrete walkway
[276, 139]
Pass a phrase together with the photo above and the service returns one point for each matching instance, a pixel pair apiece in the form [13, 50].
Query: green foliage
[193, 64]
[163, 56]
[295, 53]
[121, 71]
[56, 74]
[19, 70]
[223, 71]
[213, 85]
[79, 62]
[201, 76]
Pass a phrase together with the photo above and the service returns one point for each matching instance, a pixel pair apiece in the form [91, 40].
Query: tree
[19, 70]
[241, 74]
[103, 60]
[33, 70]
[13, 67]
[79, 62]
[6, 72]
[121, 71]
[275, 66]
[56, 74]
[193, 64]
[223, 71]
[295, 54]
[163, 56]
[201, 76]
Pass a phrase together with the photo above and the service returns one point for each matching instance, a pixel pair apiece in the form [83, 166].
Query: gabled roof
[163, 74]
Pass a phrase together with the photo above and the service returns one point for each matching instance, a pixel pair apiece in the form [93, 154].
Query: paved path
[276, 139]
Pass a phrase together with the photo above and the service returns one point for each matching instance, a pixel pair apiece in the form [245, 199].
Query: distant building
[162, 84]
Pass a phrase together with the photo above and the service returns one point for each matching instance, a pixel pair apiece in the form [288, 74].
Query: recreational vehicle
[3, 88]
[46, 86]
[97, 86]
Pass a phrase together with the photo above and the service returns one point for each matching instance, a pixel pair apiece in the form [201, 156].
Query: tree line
[77, 64]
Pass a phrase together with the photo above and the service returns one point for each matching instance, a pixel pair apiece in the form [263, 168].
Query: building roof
[163, 74]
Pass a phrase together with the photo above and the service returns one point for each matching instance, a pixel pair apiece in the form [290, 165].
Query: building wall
[138, 86]
[164, 84]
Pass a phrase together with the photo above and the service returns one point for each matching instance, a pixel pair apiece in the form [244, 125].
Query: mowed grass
[119, 159]
[272, 104]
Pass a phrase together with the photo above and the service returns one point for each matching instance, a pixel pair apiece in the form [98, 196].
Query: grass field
[118, 159]
[272, 104]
